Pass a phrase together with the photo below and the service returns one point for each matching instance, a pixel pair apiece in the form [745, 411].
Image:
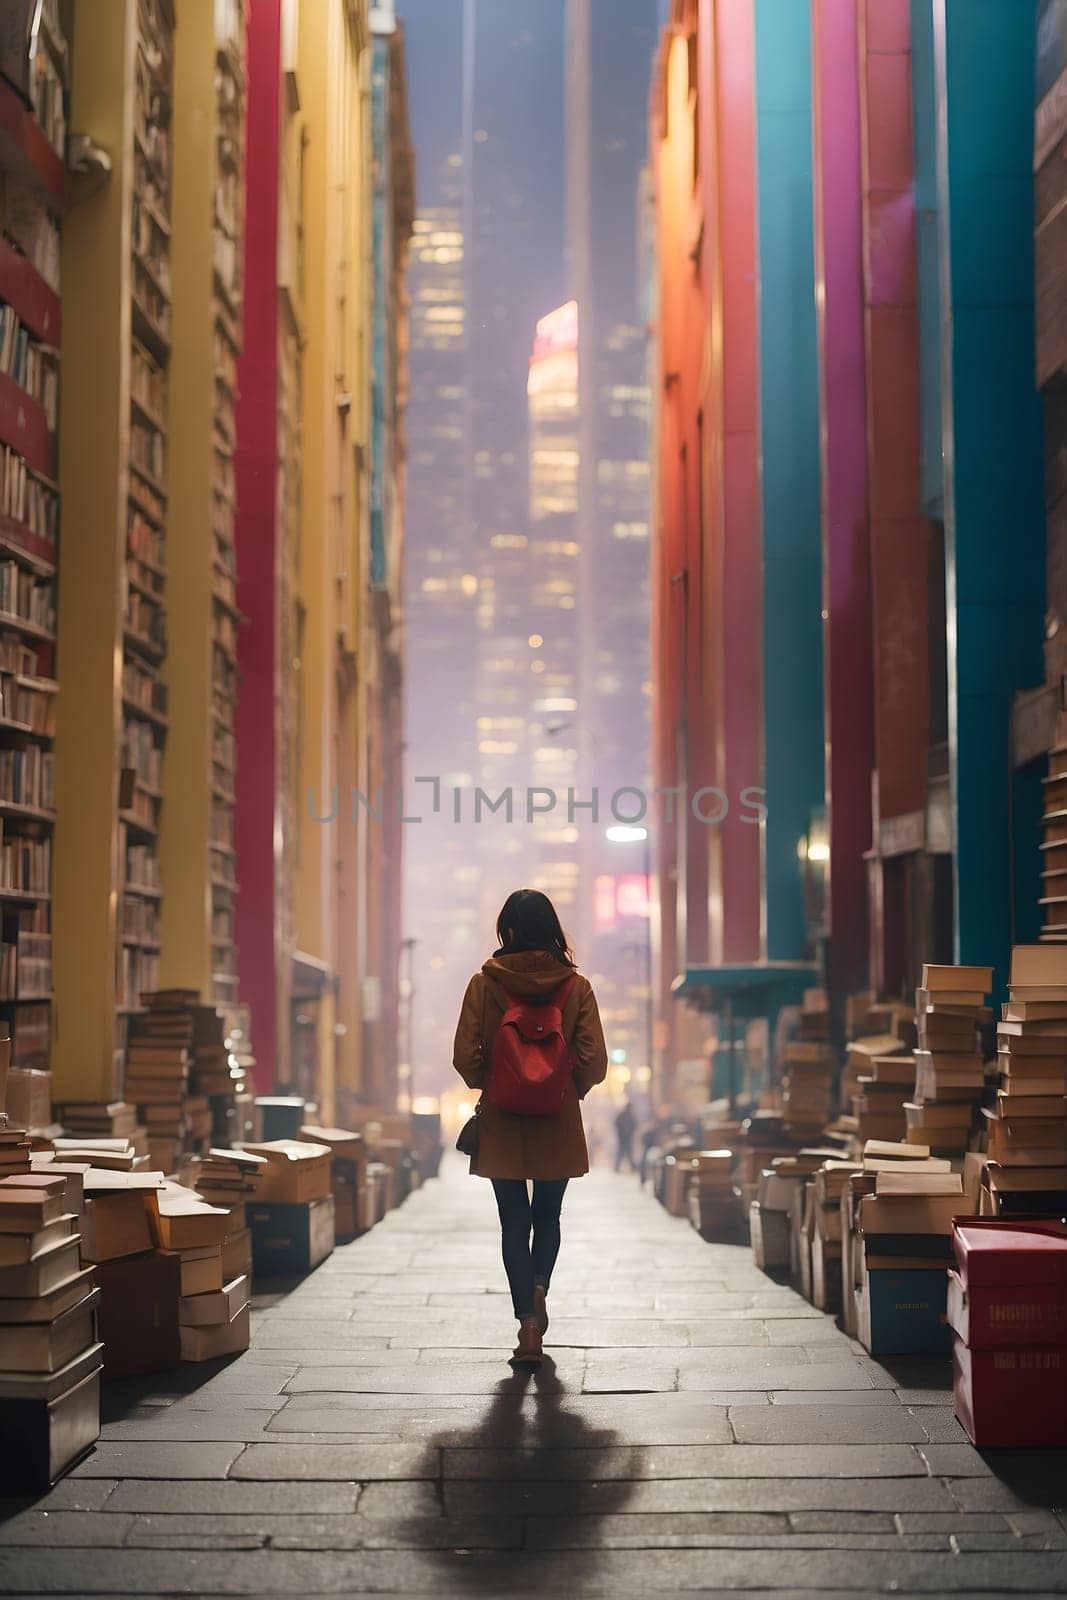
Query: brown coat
[511, 1146]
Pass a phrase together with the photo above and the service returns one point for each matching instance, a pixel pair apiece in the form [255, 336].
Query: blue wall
[992, 441]
[792, 531]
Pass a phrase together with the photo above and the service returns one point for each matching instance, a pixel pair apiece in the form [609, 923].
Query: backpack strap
[509, 1000]
[559, 999]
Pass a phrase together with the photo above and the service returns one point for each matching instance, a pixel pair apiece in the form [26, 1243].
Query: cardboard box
[900, 1313]
[138, 1318]
[47, 1347]
[367, 1202]
[42, 1436]
[201, 1270]
[209, 1310]
[296, 1172]
[279, 1116]
[1011, 1398]
[826, 1276]
[797, 1243]
[288, 1237]
[990, 1317]
[29, 1097]
[1002, 1254]
[237, 1255]
[345, 1208]
[222, 1339]
[769, 1232]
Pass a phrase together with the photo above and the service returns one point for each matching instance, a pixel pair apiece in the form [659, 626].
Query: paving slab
[684, 1461]
[699, 1494]
[177, 1422]
[297, 1463]
[232, 1498]
[828, 1424]
[158, 1459]
[77, 1529]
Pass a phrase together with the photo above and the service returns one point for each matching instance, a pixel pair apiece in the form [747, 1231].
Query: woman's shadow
[534, 1477]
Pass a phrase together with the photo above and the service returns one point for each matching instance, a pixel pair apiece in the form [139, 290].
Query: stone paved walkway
[699, 1429]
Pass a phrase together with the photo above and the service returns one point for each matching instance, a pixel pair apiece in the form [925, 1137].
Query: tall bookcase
[114, 465]
[197, 840]
[34, 77]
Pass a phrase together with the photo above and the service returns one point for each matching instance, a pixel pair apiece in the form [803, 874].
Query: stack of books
[292, 1218]
[1007, 1308]
[861, 1052]
[14, 1148]
[73, 1171]
[157, 1072]
[1054, 847]
[906, 1227]
[213, 1320]
[1026, 1129]
[50, 1358]
[830, 1183]
[764, 1136]
[713, 1208]
[114, 1155]
[231, 1178]
[949, 1072]
[853, 1264]
[769, 1216]
[178, 1066]
[217, 1076]
[99, 1119]
[807, 1087]
[785, 1219]
[348, 1171]
[878, 1104]
[140, 1285]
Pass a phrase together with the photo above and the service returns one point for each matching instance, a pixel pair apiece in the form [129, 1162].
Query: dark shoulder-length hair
[533, 924]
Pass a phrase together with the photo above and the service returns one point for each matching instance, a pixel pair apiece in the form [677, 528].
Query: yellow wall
[186, 823]
[92, 473]
[334, 63]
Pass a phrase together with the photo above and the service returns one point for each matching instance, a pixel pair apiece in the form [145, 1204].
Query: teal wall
[992, 442]
[792, 534]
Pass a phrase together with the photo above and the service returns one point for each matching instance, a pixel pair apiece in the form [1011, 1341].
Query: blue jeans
[526, 1266]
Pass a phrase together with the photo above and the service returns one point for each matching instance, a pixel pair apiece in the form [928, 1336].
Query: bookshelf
[34, 81]
[113, 716]
[197, 842]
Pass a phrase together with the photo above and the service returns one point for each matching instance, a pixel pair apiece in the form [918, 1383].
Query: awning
[746, 989]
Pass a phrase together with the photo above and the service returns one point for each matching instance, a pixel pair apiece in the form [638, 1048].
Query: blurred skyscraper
[608, 50]
[528, 520]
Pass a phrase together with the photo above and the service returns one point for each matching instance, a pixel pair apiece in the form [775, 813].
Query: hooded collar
[528, 975]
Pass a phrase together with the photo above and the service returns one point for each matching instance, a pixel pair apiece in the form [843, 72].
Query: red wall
[256, 482]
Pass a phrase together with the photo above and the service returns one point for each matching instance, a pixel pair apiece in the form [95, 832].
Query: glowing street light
[625, 833]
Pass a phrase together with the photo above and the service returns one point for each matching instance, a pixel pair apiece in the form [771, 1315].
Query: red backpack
[531, 1064]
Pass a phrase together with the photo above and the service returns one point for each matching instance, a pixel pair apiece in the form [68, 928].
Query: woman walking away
[529, 1037]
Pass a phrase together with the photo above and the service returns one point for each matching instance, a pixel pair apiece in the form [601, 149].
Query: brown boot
[541, 1309]
[527, 1352]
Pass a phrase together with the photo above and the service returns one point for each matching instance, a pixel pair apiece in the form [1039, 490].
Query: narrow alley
[697, 1429]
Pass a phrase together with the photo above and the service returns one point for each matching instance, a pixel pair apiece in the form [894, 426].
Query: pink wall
[846, 551]
[900, 539]
[256, 477]
[730, 183]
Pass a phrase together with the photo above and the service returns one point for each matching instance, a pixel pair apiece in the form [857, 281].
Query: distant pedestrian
[625, 1128]
[529, 1037]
